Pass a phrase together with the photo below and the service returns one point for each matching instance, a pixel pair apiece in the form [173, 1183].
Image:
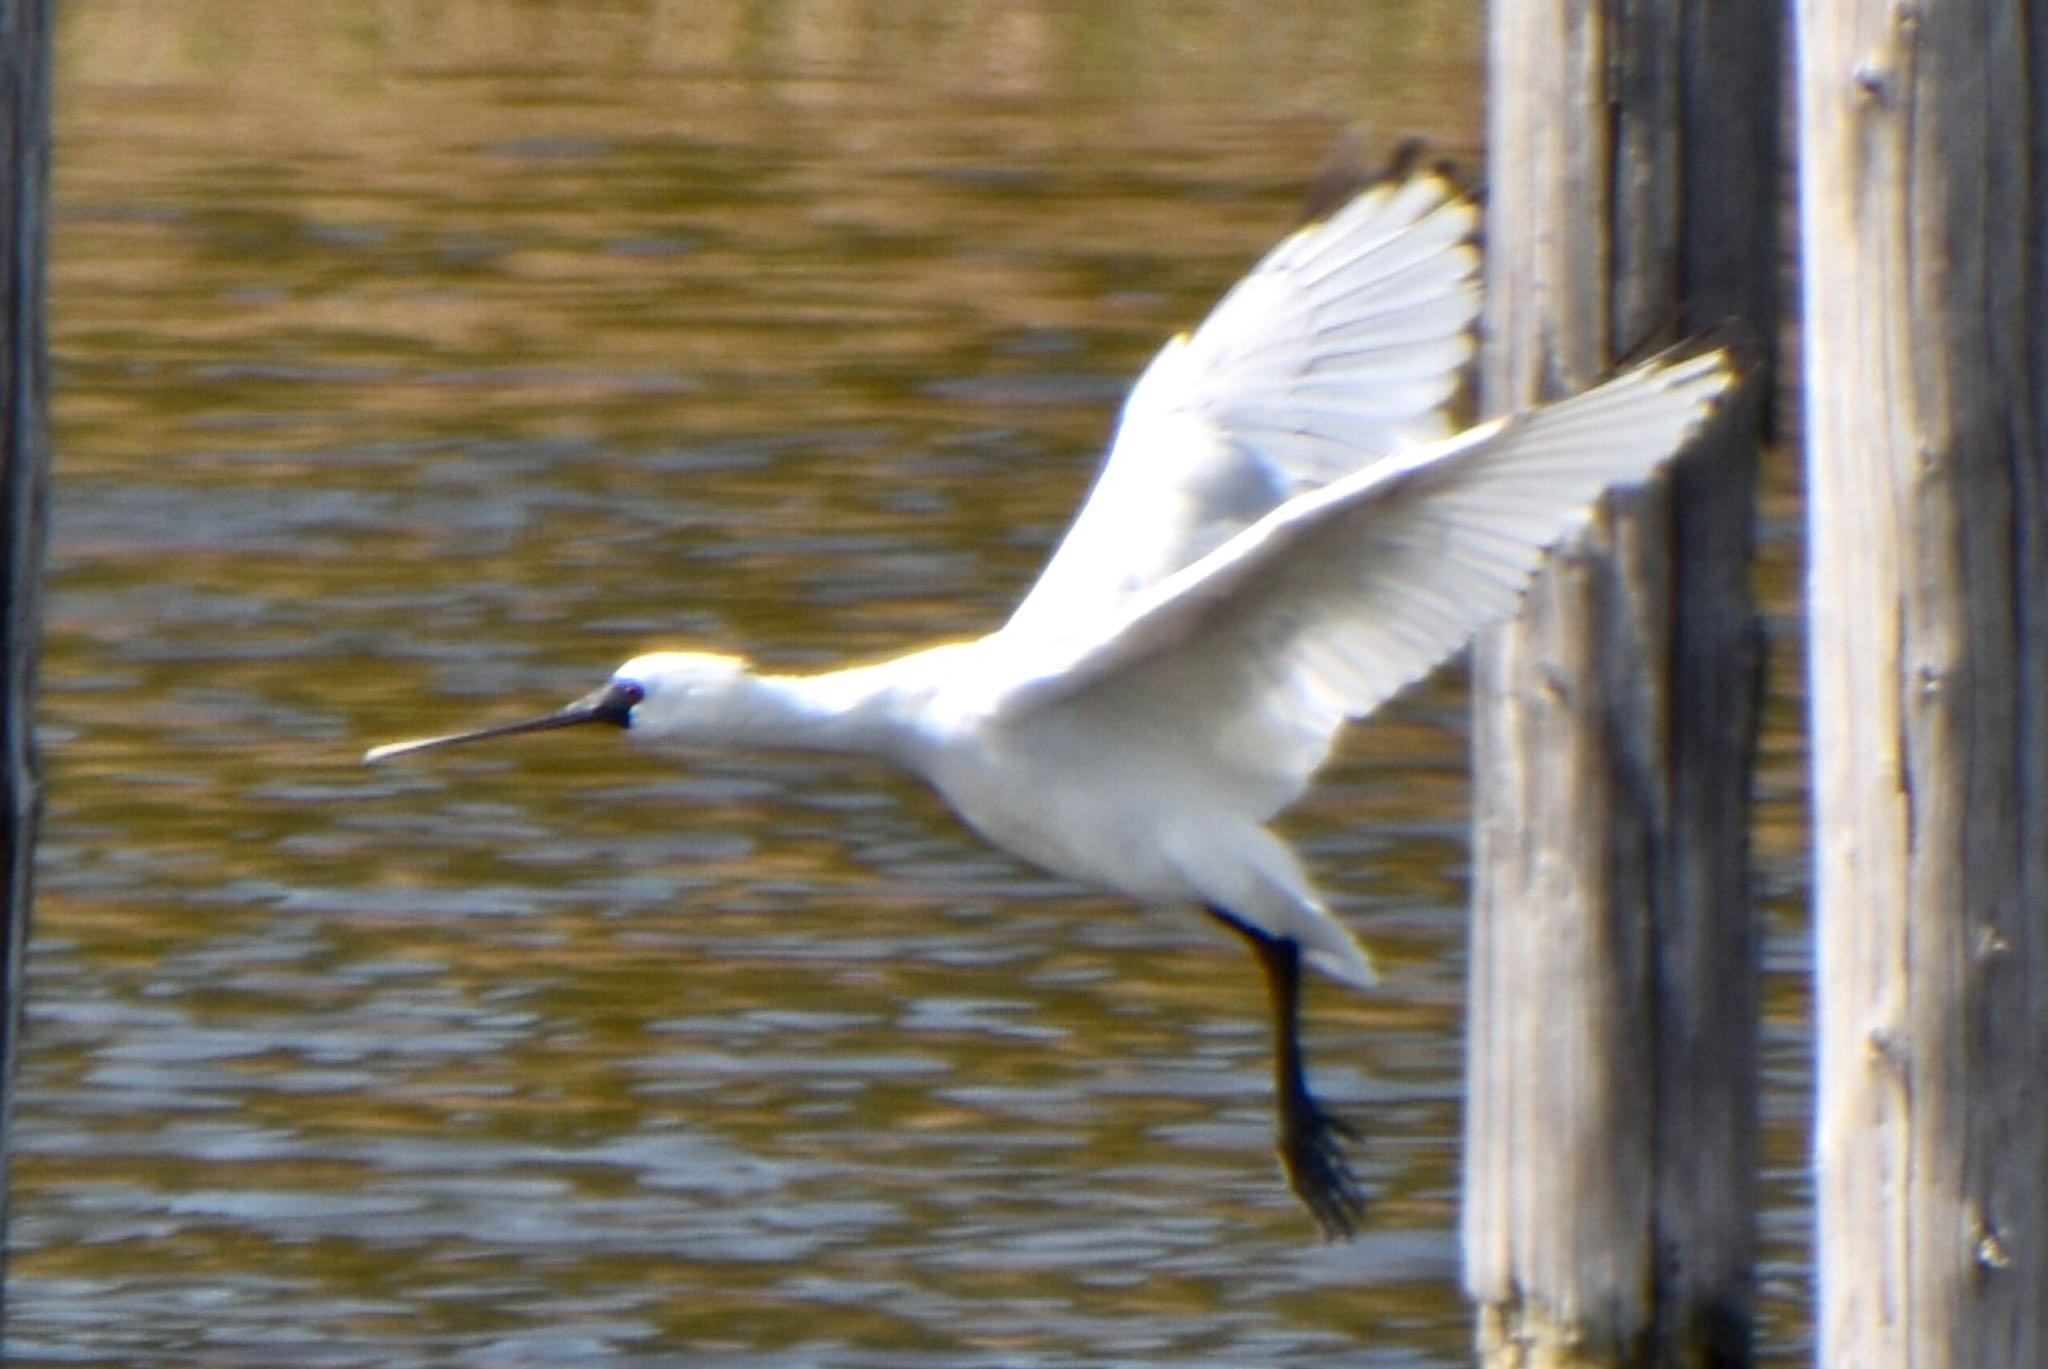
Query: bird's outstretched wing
[1339, 598]
[1341, 347]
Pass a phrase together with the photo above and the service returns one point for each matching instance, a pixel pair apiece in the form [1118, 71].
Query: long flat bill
[611, 704]
[392, 750]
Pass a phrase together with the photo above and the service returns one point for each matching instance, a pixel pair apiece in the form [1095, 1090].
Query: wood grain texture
[1924, 166]
[1611, 1125]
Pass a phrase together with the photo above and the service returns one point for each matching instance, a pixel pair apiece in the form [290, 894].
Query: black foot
[1312, 1150]
[1311, 1140]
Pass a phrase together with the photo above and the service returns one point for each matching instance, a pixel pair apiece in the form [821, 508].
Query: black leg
[1311, 1140]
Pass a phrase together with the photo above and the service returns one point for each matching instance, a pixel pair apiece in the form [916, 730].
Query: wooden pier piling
[1611, 1115]
[24, 466]
[1924, 224]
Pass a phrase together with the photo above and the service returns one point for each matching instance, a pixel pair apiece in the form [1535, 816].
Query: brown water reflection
[419, 359]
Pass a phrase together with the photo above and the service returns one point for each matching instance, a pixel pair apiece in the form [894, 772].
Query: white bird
[1285, 533]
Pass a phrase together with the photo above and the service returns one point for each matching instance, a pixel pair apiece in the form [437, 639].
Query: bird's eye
[627, 693]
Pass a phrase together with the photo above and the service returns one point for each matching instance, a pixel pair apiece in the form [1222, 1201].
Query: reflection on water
[418, 362]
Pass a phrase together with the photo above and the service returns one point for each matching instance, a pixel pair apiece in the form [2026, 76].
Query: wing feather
[1340, 348]
[1336, 600]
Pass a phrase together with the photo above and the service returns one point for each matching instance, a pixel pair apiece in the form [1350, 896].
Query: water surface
[416, 363]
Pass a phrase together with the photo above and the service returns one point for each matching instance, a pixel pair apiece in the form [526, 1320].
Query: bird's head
[661, 694]
[677, 693]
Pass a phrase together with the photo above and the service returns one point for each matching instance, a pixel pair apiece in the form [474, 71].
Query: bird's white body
[1093, 792]
[1285, 533]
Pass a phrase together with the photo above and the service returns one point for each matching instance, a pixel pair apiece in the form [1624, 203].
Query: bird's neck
[844, 710]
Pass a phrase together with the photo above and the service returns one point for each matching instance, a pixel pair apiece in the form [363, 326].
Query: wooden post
[24, 466]
[1611, 1119]
[1924, 200]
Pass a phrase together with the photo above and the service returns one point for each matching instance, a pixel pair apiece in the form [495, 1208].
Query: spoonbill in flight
[1286, 532]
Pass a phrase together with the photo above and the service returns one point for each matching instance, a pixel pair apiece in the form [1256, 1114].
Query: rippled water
[418, 362]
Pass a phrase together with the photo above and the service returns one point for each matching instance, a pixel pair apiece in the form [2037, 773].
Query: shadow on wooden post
[24, 473]
[1924, 220]
[1612, 1103]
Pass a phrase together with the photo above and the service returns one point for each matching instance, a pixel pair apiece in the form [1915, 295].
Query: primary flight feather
[1285, 533]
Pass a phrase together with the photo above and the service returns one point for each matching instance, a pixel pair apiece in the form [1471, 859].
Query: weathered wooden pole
[1611, 1119]
[24, 467]
[1923, 148]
